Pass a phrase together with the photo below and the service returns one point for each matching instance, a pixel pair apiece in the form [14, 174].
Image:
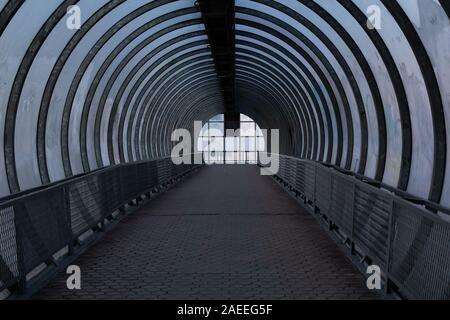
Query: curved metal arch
[370, 78]
[275, 94]
[317, 70]
[187, 121]
[147, 113]
[82, 70]
[133, 92]
[398, 85]
[343, 64]
[268, 87]
[139, 112]
[144, 95]
[434, 96]
[207, 92]
[8, 13]
[199, 87]
[314, 127]
[54, 76]
[13, 102]
[158, 107]
[153, 53]
[278, 93]
[269, 101]
[269, 119]
[119, 97]
[249, 82]
[169, 107]
[322, 106]
[348, 73]
[190, 111]
[262, 118]
[120, 48]
[114, 78]
[173, 83]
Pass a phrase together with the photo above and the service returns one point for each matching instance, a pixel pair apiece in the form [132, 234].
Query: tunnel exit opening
[224, 146]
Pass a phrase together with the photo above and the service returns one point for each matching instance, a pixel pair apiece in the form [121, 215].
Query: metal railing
[407, 237]
[37, 224]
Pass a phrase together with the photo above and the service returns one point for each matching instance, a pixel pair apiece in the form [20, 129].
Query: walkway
[224, 233]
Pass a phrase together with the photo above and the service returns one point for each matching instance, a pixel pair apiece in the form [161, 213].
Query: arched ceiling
[374, 101]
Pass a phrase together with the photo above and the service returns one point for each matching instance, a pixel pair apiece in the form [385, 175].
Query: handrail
[400, 233]
[430, 205]
[37, 224]
[74, 177]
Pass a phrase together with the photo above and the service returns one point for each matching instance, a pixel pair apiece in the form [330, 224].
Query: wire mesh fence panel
[42, 225]
[371, 221]
[420, 253]
[164, 171]
[86, 203]
[409, 242]
[8, 248]
[341, 209]
[141, 177]
[112, 190]
[129, 181]
[152, 174]
[300, 177]
[310, 180]
[323, 189]
[37, 224]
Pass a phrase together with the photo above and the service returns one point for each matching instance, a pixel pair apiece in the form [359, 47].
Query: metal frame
[51, 219]
[374, 223]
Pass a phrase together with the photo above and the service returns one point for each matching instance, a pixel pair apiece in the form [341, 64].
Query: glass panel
[216, 129]
[248, 129]
[230, 157]
[204, 131]
[203, 144]
[248, 144]
[259, 132]
[244, 118]
[231, 144]
[216, 144]
[242, 157]
[251, 157]
[261, 146]
[216, 157]
[219, 117]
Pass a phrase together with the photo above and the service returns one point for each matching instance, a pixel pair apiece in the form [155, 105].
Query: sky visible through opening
[219, 148]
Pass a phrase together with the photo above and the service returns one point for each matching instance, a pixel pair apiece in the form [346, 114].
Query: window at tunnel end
[221, 146]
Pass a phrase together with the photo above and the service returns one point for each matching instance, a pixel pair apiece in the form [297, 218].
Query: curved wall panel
[374, 101]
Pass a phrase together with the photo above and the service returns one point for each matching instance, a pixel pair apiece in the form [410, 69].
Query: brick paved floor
[225, 233]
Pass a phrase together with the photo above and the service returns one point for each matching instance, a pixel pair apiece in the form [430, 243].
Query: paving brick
[224, 233]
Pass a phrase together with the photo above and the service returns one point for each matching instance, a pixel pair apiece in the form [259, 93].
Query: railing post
[22, 278]
[67, 211]
[389, 244]
[352, 243]
[121, 191]
[315, 186]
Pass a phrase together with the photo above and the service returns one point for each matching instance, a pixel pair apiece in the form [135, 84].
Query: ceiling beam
[219, 19]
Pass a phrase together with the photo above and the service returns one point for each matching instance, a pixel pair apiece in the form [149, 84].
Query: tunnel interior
[363, 85]
[358, 92]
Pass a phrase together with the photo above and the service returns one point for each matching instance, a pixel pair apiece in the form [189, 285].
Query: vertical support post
[352, 227]
[389, 244]
[67, 211]
[18, 220]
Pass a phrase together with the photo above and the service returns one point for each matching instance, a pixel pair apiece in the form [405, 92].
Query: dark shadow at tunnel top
[225, 233]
